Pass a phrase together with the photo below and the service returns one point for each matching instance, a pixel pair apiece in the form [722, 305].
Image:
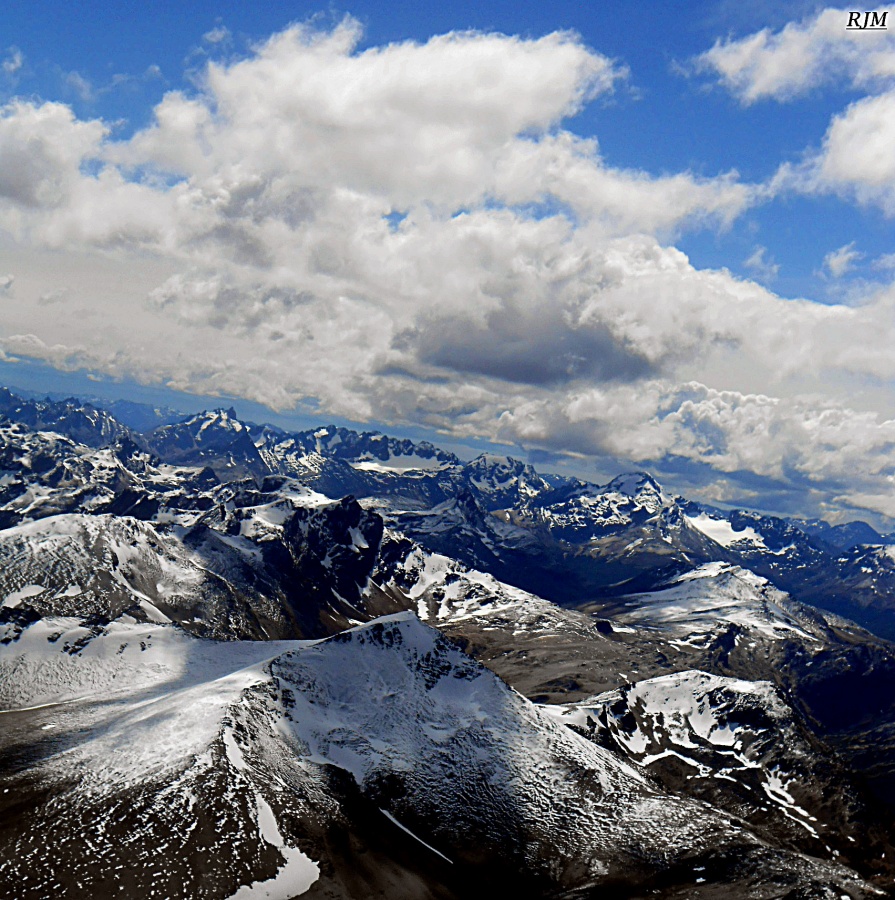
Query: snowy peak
[496, 464]
[217, 420]
[588, 537]
[581, 514]
[473, 769]
[216, 438]
[642, 488]
[373, 451]
[254, 565]
[338, 461]
[715, 597]
[504, 482]
[367, 754]
[266, 766]
[81, 422]
[734, 741]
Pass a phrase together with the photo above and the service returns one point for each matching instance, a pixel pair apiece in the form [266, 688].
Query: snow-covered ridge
[738, 740]
[723, 533]
[59, 660]
[229, 736]
[684, 707]
[713, 596]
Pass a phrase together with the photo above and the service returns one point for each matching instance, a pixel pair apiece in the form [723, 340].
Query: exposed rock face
[225, 622]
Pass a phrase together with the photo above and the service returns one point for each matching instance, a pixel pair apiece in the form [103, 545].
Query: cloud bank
[409, 234]
[855, 159]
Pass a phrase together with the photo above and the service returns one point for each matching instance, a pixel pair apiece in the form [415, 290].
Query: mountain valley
[237, 662]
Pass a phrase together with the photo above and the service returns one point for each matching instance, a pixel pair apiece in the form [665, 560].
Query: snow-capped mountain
[263, 769]
[215, 680]
[371, 451]
[81, 422]
[622, 536]
[741, 746]
[256, 565]
[217, 439]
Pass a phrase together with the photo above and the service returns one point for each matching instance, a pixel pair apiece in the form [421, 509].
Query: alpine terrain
[238, 663]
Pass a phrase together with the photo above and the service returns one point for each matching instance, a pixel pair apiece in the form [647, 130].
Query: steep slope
[284, 563]
[862, 588]
[278, 774]
[740, 745]
[216, 439]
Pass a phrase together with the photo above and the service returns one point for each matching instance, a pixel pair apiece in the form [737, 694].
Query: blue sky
[117, 65]
[611, 235]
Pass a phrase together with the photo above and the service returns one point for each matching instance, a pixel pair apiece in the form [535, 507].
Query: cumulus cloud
[45, 194]
[840, 262]
[408, 234]
[854, 160]
[762, 265]
[41, 152]
[461, 120]
[801, 57]
[751, 437]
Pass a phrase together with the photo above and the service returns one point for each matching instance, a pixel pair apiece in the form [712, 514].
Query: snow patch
[296, 876]
[16, 597]
[723, 533]
[409, 463]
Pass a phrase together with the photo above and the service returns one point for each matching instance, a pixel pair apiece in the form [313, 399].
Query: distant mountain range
[241, 662]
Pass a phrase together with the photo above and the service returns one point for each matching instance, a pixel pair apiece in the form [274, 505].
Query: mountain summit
[237, 662]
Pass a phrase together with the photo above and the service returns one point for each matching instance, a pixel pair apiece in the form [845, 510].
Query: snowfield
[457, 760]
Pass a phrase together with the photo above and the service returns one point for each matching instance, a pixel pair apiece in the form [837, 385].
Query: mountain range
[241, 662]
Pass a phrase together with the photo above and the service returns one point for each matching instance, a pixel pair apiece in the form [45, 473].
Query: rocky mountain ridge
[731, 738]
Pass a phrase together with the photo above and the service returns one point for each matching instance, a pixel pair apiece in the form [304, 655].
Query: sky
[606, 235]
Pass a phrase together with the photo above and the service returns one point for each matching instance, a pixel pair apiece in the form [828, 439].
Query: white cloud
[307, 124]
[762, 265]
[13, 62]
[404, 121]
[242, 245]
[781, 440]
[801, 57]
[41, 152]
[857, 157]
[217, 35]
[840, 262]
[855, 160]
[80, 86]
[46, 196]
